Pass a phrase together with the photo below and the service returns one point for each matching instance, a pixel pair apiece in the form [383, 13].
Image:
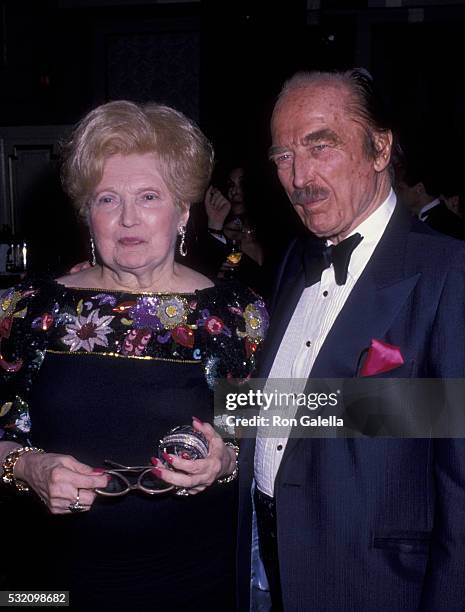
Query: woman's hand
[217, 208]
[58, 479]
[196, 475]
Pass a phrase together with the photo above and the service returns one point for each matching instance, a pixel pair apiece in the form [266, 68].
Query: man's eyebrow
[275, 150]
[325, 134]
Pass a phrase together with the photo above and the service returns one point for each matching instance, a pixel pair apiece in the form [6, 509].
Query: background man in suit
[422, 183]
[356, 524]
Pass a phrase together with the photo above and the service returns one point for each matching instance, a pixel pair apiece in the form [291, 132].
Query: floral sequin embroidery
[9, 302]
[23, 423]
[135, 342]
[8, 312]
[86, 332]
[43, 323]
[256, 321]
[213, 324]
[105, 298]
[220, 328]
[183, 335]
[172, 311]
[144, 313]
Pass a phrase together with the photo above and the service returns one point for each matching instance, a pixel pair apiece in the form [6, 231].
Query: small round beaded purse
[185, 442]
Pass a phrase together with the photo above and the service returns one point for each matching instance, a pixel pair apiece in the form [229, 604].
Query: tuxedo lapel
[373, 304]
[376, 299]
[367, 314]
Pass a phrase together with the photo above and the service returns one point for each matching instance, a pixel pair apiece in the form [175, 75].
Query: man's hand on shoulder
[79, 267]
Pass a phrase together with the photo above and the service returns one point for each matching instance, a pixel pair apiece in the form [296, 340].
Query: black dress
[104, 375]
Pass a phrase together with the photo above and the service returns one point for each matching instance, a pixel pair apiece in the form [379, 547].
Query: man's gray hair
[363, 101]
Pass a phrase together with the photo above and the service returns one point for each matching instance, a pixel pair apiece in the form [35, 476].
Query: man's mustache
[310, 194]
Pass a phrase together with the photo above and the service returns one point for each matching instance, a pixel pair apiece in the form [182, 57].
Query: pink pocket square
[381, 357]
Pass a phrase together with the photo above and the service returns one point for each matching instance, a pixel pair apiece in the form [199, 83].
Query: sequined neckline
[130, 292]
[159, 326]
[220, 328]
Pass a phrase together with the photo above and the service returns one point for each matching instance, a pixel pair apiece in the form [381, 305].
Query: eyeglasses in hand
[120, 483]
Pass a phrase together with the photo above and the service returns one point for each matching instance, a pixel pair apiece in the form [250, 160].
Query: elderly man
[356, 524]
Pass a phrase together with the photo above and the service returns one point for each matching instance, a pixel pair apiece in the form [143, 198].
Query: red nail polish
[198, 420]
[157, 472]
[98, 470]
[185, 455]
[168, 458]
[154, 460]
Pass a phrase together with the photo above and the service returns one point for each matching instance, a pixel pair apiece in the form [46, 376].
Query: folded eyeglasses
[122, 475]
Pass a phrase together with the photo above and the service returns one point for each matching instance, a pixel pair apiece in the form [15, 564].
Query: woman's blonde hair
[184, 155]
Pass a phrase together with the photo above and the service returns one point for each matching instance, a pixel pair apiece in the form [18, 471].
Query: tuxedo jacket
[373, 524]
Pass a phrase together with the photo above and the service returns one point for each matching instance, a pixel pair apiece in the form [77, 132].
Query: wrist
[13, 467]
[232, 470]
[5, 449]
[231, 463]
[23, 466]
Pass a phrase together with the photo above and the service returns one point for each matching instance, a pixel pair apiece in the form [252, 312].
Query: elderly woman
[101, 364]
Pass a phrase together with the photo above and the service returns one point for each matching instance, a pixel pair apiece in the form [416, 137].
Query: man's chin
[317, 225]
[313, 209]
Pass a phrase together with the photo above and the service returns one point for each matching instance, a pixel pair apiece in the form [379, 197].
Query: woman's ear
[185, 209]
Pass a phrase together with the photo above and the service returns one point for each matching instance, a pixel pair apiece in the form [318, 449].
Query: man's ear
[453, 203]
[383, 148]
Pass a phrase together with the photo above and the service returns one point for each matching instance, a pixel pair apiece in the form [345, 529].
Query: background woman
[102, 363]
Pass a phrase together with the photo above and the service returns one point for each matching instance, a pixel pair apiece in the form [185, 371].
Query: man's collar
[371, 229]
[422, 214]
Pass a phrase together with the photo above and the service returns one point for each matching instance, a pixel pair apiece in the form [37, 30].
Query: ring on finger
[76, 506]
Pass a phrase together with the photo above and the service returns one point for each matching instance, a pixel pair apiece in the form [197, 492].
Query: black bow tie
[338, 255]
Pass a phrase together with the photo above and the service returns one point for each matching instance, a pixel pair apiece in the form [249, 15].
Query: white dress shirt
[313, 318]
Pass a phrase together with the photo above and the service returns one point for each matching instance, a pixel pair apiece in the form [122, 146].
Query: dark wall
[222, 62]
[59, 60]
